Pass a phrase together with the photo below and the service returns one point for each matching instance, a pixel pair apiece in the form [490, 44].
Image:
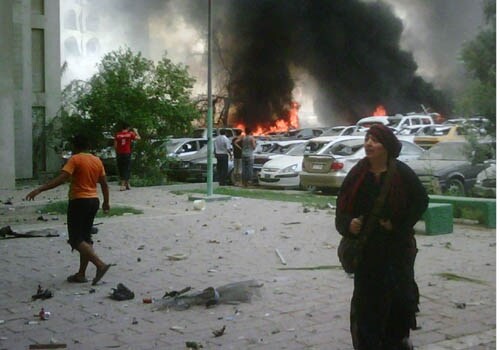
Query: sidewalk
[230, 241]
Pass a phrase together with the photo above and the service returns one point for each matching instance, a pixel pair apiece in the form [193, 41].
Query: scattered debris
[228, 294]
[44, 315]
[121, 293]
[177, 257]
[193, 345]
[310, 268]
[48, 346]
[199, 204]
[6, 231]
[177, 329]
[453, 277]
[219, 332]
[283, 261]
[42, 294]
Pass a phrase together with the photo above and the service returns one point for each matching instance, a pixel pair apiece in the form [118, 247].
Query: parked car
[433, 134]
[481, 123]
[451, 167]
[303, 134]
[202, 132]
[340, 130]
[283, 171]
[327, 169]
[486, 182]
[193, 168]
[183, 147]
[364, 124]
[270, 149]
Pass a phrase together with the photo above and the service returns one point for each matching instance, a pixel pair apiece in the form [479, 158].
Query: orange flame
[379, 111]
[280, 124]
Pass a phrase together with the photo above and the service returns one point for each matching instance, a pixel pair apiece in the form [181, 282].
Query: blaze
[379, 111]
[284, 124]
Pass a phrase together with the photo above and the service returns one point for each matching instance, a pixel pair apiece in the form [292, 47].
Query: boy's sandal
[76, 279]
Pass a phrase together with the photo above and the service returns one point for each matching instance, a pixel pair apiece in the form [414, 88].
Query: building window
[92, 47]
[92, 23]
[38, 60]
[70, 20]
[71, 47]
[37, 7]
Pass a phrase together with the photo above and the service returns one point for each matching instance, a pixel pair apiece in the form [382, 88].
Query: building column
[7, 145]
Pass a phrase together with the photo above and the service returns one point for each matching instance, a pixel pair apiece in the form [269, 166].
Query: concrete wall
[29, 86]
[7, 159]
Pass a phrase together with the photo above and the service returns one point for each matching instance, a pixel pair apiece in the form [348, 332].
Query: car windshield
[333, 132]
[434, 131]
[314, 146]
[297, 150]
[345, 148]
[394, 122]
[446, 151]
[173, 144]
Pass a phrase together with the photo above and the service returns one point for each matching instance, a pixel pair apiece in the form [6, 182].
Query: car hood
[284, 161]
[434, 167]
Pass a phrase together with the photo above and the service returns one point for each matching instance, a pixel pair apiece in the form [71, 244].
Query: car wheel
[455, 187]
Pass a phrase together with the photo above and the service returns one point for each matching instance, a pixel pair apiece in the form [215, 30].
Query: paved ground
[230, 241]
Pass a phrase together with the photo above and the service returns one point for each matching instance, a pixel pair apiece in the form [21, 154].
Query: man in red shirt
[123, 147]
[85, 171]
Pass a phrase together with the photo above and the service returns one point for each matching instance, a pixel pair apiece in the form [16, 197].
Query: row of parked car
[445, 163]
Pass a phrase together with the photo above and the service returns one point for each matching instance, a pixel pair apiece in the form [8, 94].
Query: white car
[283, 171]
[327, 168]
[182, 148]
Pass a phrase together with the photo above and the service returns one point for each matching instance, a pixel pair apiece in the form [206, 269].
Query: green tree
[479, 57]
[154, 98]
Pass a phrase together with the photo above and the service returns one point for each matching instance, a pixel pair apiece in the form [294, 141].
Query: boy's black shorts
[80, 217]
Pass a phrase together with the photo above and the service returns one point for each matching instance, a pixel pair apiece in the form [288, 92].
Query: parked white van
[396, 122]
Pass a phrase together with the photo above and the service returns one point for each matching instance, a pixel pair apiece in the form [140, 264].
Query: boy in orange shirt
[85, 171]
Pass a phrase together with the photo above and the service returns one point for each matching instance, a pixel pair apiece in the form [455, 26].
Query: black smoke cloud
[352, 49]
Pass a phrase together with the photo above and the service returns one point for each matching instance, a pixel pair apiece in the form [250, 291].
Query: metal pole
[210, 145]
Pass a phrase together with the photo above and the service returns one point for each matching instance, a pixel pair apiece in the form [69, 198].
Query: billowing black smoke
[351, 48]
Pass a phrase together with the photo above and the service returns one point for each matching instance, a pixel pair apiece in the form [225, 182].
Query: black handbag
[350, 249]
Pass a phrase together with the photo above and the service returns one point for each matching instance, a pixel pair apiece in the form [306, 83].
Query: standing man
[85, 171]
[223, 150]
[123, 148]
[248, 145]
[236, 144]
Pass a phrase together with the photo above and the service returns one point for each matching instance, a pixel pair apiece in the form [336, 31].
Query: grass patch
[453, 277]
[61, 207]
[307, 199]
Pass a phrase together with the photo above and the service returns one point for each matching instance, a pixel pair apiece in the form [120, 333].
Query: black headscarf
[386, 137]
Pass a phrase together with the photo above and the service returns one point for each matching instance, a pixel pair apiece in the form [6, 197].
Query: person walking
[236, 145]
[85, 171]
[248, 145]
[123, 148]
[385, 297]
[223, 151]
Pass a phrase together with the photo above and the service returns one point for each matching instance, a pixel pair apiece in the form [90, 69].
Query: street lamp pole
[210, 145]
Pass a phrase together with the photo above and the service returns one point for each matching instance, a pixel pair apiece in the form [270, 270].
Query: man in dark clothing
[236, 143]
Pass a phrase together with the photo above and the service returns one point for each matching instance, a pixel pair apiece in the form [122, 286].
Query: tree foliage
[479, 56]
[154, 98]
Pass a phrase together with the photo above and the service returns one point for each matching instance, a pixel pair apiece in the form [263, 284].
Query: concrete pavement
[229, 241]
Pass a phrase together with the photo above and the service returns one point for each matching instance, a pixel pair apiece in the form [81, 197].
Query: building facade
[30, 87]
